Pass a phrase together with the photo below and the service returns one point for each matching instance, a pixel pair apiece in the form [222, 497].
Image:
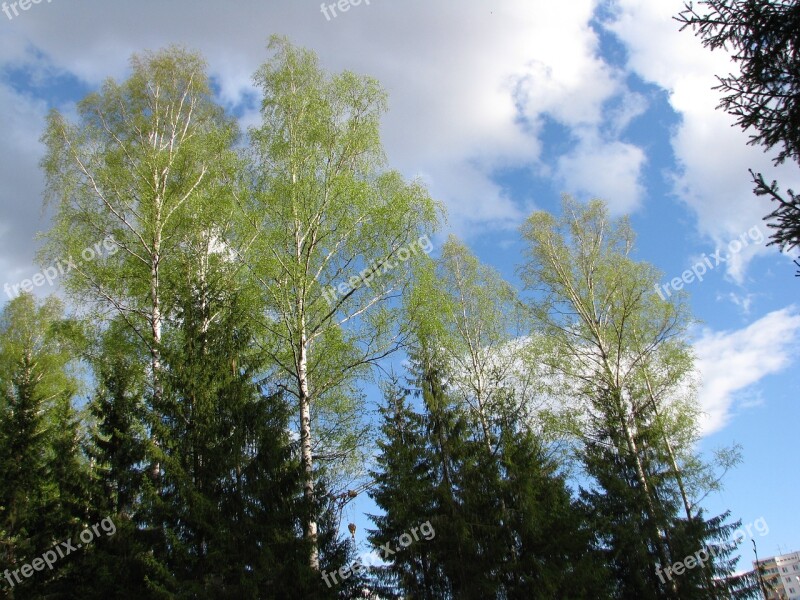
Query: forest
[190, 417]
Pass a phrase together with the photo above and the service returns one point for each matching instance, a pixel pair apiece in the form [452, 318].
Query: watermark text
[708, 263]
[365, 277]
[385, 552]
[699, 558]
[62, 267]
[61, 550]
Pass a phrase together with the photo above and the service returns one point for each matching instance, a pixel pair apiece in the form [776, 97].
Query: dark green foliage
[23, 467]
[505, 523]
[117, 450]
[44, 472]
[627, 531]
[553, 554]
[715, 579]
[404, 489]
[631, 532]
[227, 500]
[118, 442]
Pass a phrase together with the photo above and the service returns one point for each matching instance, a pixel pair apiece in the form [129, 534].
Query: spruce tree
[404, 484]
[117, 449]
[41, 468]
[619, 511]
[230, 502]
[552, 553]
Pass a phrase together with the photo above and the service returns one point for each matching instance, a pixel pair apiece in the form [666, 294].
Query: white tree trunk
[307, 457]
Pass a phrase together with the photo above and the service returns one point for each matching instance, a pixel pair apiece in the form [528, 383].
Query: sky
[500, 108]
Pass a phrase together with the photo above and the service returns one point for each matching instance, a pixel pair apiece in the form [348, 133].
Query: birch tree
[126, 179]
[623, 351]
[327, 232]
[478, 324]
[130, 181]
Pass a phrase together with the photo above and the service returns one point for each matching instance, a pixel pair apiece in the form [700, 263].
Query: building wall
[783, 574]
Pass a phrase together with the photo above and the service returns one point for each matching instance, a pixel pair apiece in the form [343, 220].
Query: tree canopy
[196, 422]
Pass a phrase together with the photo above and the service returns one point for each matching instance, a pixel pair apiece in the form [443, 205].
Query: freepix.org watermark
[365, 277]
[62, 267]
[342, 5]
[22, 4]
[62, 550]
[699, 558]
[358, 567]
[709, 263]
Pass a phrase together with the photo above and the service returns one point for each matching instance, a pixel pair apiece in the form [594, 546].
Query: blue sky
[500, 107]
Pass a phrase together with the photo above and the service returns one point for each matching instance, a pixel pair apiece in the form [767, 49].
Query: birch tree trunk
[323, 231]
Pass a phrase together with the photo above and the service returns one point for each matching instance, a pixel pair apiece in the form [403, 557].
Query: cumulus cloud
[469, 84]
[604, 169]
[21, 121]
[577, 94]
[713, 156]
[731, 363]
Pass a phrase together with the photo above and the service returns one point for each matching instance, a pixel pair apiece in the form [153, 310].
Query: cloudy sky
[500, 107]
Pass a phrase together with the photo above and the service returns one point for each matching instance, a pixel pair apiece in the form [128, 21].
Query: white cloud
[713, 156]
[632, 105]
[571, 93]
[576, 93]
[743, 301]
[609, 170]
[21, 122]
[468, 83]
[732, 362]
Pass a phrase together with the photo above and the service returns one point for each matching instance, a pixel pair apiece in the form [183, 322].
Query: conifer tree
[404, 484]
[619, 349]
[230, 505]
[42, 471]
[118, 452]
[552, 553]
